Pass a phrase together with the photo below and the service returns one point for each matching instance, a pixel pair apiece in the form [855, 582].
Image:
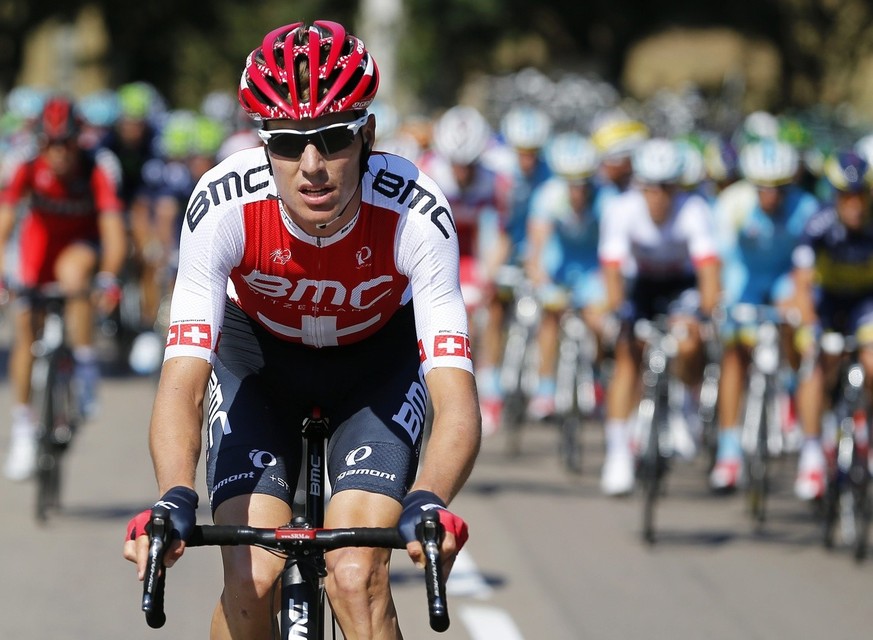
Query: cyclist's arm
[709, 284]
[7, 224]
[113, 242]
[177, 417]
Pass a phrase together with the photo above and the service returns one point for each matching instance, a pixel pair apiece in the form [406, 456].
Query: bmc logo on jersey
[227, 187]
[195, 334]
[452, 344]
[420, 199]
[333, 292]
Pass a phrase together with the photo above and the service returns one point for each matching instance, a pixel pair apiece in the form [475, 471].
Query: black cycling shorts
[262, 388]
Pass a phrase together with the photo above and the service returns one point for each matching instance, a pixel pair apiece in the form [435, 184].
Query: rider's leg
[543, 403]
[74, 270]
[810, 406]
[249, 601]
[617, 475]
[357, 578]
[734, 362]
[21, 459]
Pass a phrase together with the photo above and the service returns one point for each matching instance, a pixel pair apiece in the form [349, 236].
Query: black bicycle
[303, 542]
[575, 380]
[653, 422]
[761, 434]
[519, 365]
[53, 396]
[847, 501]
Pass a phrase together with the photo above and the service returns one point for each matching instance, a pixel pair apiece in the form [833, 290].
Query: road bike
[575, 386]
[54, 396]
[518, 368]
[847, 502]
[761, 435]
[303, 541]
[653, 431]
[709, 392]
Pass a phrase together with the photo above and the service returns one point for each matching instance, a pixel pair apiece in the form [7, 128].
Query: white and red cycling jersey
[631, 239]
[400, 248]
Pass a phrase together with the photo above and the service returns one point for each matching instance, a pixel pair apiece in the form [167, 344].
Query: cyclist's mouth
[316, 195]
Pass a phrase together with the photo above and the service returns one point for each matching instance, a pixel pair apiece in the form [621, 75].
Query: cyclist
[73, 229]
[473, 190]
[306, 258]
[834, 293]
[563, 233]
[756, 243]
[526, 130]
[665, 232]
[721, 161]
[135, 140]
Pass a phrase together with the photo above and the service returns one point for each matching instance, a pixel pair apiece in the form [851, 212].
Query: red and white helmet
[342, 74]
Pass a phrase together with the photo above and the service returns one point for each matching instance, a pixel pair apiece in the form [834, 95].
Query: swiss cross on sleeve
[450, 344]
[190, 334]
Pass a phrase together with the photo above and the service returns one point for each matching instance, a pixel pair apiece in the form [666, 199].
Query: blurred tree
[187, 49]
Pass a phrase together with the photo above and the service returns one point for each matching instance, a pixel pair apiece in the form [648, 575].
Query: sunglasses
[330, 139]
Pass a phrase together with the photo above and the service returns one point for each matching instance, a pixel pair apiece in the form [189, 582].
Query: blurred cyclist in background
[757, 236]
[666, 233]
[562, 263]
[134, 139]
[460, 137]
[526, 130]
[833, 270]
[73, 230]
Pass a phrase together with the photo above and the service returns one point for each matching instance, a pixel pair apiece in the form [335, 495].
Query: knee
[355, 574]
[249, 582]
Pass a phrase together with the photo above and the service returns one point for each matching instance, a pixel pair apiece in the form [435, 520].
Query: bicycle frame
[847, 494]
[761, 435]
[654, 414]
[517, 370]
[575, 397]
[304, 541]
[53, 398]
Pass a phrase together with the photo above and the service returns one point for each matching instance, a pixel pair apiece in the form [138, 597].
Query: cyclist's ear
[365, 153]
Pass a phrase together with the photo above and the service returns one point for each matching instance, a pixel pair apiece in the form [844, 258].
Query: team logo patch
[452, 344]
[195, 334]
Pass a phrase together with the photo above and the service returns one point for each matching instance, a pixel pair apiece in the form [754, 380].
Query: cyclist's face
[527, 160]
[853, 209]
[578, 195]
[770, 199]
[317, 187]
[659, 199]
[60, 155]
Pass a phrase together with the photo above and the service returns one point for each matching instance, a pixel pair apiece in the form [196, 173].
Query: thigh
[75, 265]
[253, 446]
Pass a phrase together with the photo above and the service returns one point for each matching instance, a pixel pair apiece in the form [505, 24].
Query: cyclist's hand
[414, 505]
[182, 503]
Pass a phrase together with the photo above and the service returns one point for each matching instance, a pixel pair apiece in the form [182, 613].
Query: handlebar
[291, 540]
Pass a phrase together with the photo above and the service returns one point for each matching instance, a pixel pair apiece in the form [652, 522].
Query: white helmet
[658, 161]
[461, 134]
[769, 163]
[693, 169]
[864, 147]
[572, 156]
[526, 127]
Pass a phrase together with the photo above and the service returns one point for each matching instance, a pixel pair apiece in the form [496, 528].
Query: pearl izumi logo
[262, 459]
[354, 457]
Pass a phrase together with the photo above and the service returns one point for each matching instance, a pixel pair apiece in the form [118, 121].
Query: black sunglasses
[333, 138]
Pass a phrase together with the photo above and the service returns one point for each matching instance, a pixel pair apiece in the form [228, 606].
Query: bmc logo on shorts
[411, 415]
